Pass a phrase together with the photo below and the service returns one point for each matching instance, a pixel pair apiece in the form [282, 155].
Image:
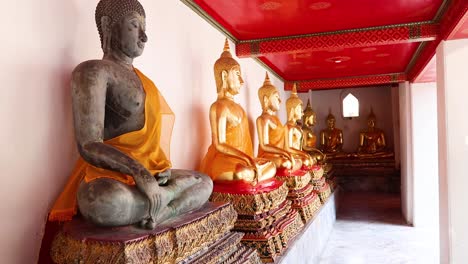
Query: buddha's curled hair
[115, 10]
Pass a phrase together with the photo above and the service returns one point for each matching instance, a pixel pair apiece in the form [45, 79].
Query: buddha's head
[269, 96]
[371, 119]
[330, 120]
[294, 106]
[227, 73]
[121, 25]
[309, 118]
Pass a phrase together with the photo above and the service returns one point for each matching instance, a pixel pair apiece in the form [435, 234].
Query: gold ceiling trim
[338, 32]
[441, 11]
[348, 77]
[264, 65]
[415, 57]
[197, 9]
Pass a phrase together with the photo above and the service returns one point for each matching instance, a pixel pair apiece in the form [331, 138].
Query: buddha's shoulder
[94, 67]
[225, 104]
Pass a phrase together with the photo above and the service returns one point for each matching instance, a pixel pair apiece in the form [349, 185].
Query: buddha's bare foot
[163, 177]
[143, 223]
[147, 224]
[150, 224]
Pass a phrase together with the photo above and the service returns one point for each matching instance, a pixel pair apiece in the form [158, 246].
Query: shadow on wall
[56, 149]
[201, 128]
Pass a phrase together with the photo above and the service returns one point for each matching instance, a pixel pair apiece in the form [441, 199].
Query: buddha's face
[298, 112]
[310, 120]
[274, 101]
[131, 36]
[371, 123]
[234, 80]
[331, 123]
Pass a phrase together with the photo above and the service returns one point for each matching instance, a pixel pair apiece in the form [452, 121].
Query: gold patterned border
[252, 204]
[168, 247]
[295, 182]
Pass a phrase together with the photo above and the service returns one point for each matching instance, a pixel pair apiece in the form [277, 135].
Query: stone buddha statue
[124, 175]
[309, 139]
[372, 141]
[230, 155]
[271, 132]
[331, 139]
[293, 142]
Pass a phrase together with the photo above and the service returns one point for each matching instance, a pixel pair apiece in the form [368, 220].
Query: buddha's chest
[296, 136]
[235, 115]
[125, 105]
[372, 137]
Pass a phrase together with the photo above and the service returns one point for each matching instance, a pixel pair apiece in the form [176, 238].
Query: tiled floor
[370, 230]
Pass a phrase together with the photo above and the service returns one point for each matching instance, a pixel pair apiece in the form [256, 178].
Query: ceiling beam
[362, 37]
[454, 14]
[335, 83]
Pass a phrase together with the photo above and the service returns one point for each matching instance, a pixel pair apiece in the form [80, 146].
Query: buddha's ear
[291, 113]
[265, 101]
[106, 33]
[224, 76]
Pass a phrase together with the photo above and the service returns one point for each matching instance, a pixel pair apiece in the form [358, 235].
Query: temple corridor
[370, 229]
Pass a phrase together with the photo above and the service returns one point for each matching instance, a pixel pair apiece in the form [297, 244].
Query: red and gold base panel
[272, 241]
[322, 188]
[264, 214]
[248, 199]
[306, 202]
[301, 194]
[202, 234]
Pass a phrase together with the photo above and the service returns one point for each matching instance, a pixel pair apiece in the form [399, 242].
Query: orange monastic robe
[143, 145]
[238, 136]
[275, 137]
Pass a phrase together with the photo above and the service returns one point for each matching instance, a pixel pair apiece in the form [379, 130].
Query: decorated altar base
[301, 193]
[310, 243]
[202, 236]
[264, 215]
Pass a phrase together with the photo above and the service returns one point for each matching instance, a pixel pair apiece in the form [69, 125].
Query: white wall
[406, 151]
[425, 155]
[46, 40]
[377, 98]
[452, 94]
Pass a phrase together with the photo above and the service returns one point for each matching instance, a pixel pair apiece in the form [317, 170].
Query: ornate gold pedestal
[201, 235]
[306, 202]
[319, 182]
[322, 188]
[301, 194]
[265, 216]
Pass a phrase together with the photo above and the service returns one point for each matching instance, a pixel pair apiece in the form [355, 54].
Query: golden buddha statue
[331, 139]
[372, 141]
[271, 132]
[230, 155]
[309, 139]
[293, 142]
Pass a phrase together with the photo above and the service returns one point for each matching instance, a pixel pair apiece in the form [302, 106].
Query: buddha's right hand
[293, 161]
[149, 186]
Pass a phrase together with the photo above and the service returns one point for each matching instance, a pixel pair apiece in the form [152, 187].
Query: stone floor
[370, 230]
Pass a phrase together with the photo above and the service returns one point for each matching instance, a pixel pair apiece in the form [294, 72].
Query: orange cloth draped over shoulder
[275, 137]
[238, 136]
[149, 146]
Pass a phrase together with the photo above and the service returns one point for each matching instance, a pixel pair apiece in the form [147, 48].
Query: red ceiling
[342, 63]
[366, 37]
[252, 19]
[428, 74]
[461, 29]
